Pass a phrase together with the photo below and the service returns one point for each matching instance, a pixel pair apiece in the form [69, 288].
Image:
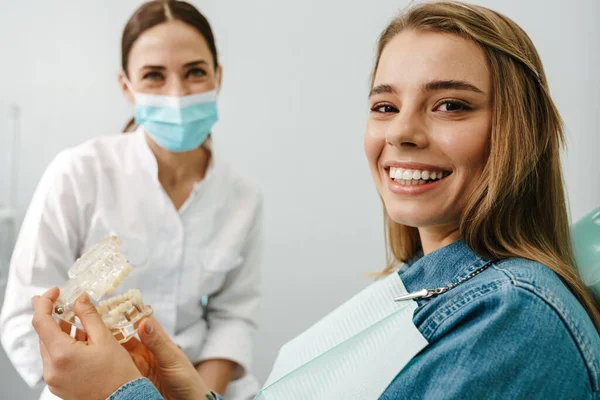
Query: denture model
[98, 272]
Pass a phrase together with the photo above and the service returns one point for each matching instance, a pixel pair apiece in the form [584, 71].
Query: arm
[48, 244]
[217, 373]
[231, 314]
[508, 344]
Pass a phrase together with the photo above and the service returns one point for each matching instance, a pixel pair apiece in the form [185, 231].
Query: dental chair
[586, 245]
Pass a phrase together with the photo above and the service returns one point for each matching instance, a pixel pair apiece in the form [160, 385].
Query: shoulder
[522, 306]
[107, 148]
[90, 154]
[239, 186]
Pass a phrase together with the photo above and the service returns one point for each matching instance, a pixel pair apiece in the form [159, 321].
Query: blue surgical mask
[176, 124]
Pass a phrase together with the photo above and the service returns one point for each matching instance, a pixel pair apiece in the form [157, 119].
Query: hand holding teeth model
[99, 272]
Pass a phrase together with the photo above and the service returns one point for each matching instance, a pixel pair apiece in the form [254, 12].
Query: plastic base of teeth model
[99, 272]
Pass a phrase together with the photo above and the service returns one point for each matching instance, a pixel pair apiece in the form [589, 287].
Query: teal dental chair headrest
[586, 245]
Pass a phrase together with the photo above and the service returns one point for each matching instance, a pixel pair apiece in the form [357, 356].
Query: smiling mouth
[405, 176]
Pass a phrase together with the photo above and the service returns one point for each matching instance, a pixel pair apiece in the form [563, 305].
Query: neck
[176, 168]
[436, 237]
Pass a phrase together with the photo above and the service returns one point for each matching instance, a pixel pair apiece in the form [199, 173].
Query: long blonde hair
[519, 207]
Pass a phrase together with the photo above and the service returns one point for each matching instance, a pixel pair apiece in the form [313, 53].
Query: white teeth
[121, 302]
[414, 176]
[124, 307]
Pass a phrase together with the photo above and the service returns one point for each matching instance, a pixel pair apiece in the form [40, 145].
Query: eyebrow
[153, 67]
[195, 63]
[430, 87]
[382, 89]
[162, 67]
[451, 84]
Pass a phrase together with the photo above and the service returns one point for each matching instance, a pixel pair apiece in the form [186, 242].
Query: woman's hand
[90, 369]
[159, 359]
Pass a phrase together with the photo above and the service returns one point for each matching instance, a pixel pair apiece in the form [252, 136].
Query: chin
[413, 215]
[407, 221]
[405, 217]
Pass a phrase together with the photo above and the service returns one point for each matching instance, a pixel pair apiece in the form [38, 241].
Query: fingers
[44, 324]
[159, 344]
[43, 304]
[52, 294]
[91, 320]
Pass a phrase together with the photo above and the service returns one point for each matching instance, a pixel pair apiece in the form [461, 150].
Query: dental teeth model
[99, 272]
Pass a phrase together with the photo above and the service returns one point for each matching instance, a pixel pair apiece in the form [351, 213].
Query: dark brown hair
[156, 12]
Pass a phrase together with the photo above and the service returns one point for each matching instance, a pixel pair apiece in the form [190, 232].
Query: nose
[177, 86]
[408, 129]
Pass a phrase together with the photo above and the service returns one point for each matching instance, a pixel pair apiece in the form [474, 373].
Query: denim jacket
[512, 332]
[137, 389]
[143, 389]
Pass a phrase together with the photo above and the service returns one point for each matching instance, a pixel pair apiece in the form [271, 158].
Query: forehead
[173, 41]
[412, 58]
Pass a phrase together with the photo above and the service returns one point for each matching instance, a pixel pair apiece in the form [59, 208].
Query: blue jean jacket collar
[441, 267]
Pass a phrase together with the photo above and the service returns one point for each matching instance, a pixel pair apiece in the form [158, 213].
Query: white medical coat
[209, 247]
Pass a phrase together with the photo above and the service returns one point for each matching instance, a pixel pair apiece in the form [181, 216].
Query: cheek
[468, 147]
[204, 84]
[373, 149]
[201, 87]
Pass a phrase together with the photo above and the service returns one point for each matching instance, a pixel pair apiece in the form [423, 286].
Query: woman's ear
[219, 77]
[125, 88]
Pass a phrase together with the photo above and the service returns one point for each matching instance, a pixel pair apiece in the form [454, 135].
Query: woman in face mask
[188, 222]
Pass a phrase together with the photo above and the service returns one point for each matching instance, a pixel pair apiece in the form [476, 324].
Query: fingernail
[84, 298]
[34, 298]
[148, 328]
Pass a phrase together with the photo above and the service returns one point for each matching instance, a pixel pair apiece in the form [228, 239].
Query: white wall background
[293, 109]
